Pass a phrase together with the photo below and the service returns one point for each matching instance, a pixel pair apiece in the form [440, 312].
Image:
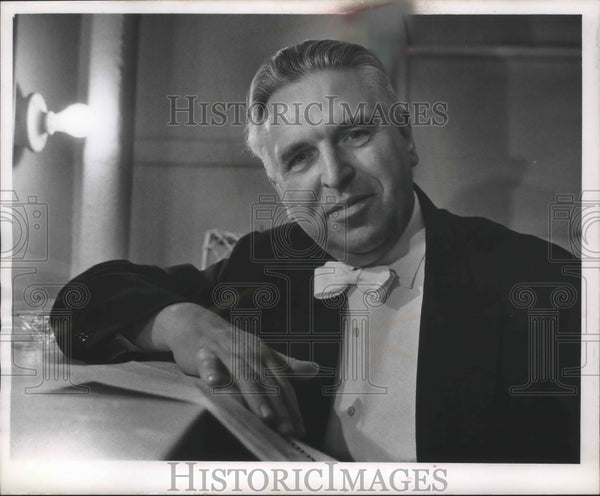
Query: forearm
[131, 309]
[96, 314]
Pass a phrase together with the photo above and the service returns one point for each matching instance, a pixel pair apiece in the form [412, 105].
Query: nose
[336, 168]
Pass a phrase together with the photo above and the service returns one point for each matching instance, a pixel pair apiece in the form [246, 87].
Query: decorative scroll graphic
[544, 303]
[33, 338]
[29, 224]
[355, 363]
[577, 222]
[245, 303]
[589, 338]
[574, 222]
[54, 372]
[322, 220]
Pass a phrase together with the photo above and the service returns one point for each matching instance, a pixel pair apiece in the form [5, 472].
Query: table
[63, 409]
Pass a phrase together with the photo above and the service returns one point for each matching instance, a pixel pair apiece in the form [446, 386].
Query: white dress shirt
[373, 415]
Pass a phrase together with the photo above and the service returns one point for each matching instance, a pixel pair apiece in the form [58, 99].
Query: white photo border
[139, 477]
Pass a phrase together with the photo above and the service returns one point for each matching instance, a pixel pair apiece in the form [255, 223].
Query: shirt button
[351, 410]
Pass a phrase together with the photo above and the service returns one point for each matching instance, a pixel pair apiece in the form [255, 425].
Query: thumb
[301, 369]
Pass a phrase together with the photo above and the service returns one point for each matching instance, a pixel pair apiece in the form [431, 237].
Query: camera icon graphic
[575, 222]
[29, 223]
[321, 220]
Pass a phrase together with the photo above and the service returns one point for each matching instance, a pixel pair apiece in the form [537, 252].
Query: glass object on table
[31, 333]
[36, 325]
[35, 353]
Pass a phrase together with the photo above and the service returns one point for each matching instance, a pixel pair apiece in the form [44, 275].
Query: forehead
[324, 93]
[315, 105]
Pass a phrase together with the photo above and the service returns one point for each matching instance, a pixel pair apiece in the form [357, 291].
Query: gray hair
[295, 61]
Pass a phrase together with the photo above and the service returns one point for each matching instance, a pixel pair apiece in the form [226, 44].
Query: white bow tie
[334, 277]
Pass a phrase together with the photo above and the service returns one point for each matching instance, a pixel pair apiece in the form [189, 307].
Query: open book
[166, 380]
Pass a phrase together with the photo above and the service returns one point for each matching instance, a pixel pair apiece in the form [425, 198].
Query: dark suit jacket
[490, 387]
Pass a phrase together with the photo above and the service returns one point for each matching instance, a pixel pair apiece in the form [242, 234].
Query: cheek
[377, 156]
[302, 197]
[378, 171]
[307, 182]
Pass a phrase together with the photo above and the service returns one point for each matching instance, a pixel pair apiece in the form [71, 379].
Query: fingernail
[265, 412]
[211, 378]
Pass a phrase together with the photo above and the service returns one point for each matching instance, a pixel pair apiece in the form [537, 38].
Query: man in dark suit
[376, 325]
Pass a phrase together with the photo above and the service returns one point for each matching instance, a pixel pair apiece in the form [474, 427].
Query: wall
[47, 54]
[188, 179]
[501, 155]
[512, 142]
[513, 138]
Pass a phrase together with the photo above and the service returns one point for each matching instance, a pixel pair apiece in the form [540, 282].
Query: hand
[207, 346]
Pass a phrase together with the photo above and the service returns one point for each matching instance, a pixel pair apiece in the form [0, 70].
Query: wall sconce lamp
[34, 122]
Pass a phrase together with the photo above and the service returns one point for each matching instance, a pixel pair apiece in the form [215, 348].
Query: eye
[357, 137]
[299, 161]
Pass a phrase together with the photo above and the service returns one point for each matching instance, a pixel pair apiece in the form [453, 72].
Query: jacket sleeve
[94, 312]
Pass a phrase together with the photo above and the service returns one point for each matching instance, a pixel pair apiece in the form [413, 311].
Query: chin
[366, 243]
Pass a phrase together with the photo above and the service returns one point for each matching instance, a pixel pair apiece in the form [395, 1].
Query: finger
[264, 395]
[244, 366]
[300, 369]
[269, 368]
[288, 395]
[282, 396]
[216, 375]
[211, 369]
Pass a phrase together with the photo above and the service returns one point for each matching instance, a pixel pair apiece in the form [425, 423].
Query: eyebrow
[357, 120]
[291, 151]
[356, 116]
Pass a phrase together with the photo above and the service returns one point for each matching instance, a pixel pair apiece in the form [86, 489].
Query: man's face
[318, 153]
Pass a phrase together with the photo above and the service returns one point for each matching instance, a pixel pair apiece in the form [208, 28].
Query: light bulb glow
[75, 120]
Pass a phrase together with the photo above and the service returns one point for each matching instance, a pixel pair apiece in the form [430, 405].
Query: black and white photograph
[300, 247]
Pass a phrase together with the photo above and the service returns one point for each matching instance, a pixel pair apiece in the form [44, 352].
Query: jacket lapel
[458, 347]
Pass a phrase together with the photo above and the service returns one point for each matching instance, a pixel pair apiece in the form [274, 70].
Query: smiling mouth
[350, 206]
